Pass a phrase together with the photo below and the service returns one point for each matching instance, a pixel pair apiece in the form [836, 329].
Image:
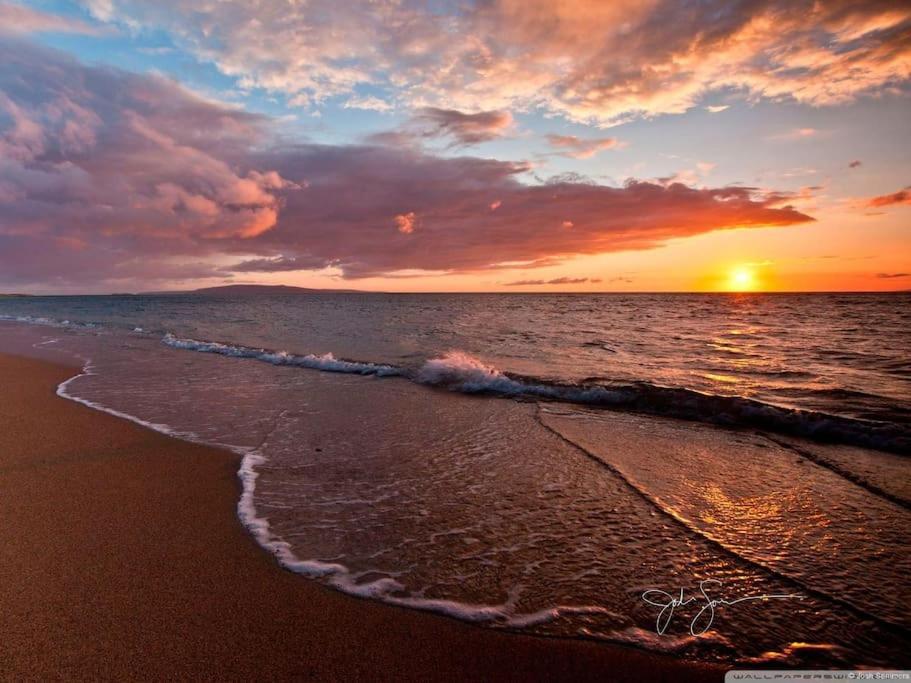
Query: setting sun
[741, 279]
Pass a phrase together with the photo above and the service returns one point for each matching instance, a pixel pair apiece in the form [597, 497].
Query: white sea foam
[462, 372]
[459, 371]
[326, 362]
[650, 640]
[35, 320]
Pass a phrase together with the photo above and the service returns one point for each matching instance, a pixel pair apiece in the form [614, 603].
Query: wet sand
[121, 557]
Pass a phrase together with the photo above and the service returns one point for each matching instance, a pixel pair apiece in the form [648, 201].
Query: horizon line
[314, 290]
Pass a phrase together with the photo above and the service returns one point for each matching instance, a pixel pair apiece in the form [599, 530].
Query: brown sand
[121, 557]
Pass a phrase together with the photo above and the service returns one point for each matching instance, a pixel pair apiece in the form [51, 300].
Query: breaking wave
[47, 322]
[461, 372]
[327, 362]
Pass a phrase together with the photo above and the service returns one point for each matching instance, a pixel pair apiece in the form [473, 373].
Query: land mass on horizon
[245, 290]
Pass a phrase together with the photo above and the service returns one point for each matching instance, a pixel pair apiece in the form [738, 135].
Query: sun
[741, 279]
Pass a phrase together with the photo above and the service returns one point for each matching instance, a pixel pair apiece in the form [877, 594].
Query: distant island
[251, 290]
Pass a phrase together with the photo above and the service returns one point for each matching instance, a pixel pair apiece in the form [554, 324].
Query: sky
[503, 145]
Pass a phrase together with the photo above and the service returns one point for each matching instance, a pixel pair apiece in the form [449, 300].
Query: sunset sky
[508, 145]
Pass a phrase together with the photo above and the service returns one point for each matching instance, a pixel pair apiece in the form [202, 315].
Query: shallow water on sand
[533, 514]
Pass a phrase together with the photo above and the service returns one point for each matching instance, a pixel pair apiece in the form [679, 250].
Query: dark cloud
[555, 281]
[887, 276]
[459, 128]
[467, 129]
[855, 164]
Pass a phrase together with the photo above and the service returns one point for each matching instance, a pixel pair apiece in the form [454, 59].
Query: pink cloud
[107, 176]
[796, 134]
[581, 148]
[123, 162]
[16, 18]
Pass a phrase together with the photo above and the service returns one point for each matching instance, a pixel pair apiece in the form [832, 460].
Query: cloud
[903, 196]
[467, 129]
[855, 164]
[367, 102]
[717, 108]
[649, 58]
[112, 177]
[887, 276]
[460, 128]
[19, 19]
[345, 217]
[581, 148]
[277, 264]
[796, 134]
[556, 281]
[121, 164]
[404, 222]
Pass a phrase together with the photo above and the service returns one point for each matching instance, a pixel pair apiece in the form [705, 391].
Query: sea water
[538, 462]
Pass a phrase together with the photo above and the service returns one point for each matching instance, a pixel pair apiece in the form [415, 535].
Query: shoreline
[123, 557]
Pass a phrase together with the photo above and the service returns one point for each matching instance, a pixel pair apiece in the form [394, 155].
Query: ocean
[539, 462]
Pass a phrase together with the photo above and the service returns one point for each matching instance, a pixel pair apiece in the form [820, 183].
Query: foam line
[327, 362]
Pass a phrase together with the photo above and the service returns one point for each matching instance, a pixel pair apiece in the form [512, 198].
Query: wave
[327, 362]
[458, 371]
[47, 322]
[461, 372]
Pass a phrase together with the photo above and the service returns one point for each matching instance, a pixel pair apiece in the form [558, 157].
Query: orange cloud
[405, 223]
[901, 197]
[649, 57]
